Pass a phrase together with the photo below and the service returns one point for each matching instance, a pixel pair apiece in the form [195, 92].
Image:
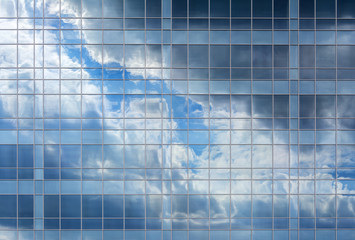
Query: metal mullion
[17, 115]
[209, 139]
[60, 115]
[102, 120]
[273, 119]
[124, 119]
[289, 126]
[298, 121]
[251, 118]
[145, 118]
[81, 116]
[34, 121]
[188, 118]
[163, 152]
[230, 120]
[336, 120]
[171, 115]
[42, 98]
[315, 122]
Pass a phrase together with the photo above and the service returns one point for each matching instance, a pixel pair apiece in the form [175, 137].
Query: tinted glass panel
[153, 8]
[219, 8]
[326, 9]
[281, 8]
[198, 8]
[179, 8]
[241, 8]
[262, 8]
[8, 155]
[346, 9]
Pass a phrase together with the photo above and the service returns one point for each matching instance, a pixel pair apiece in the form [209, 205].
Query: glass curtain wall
[177, 119]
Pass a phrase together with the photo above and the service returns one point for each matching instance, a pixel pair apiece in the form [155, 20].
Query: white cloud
[8, 8]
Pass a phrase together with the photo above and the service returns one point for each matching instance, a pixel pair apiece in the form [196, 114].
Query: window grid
[190, 137]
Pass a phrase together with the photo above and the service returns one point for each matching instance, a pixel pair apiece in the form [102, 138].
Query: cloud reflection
[132, 61]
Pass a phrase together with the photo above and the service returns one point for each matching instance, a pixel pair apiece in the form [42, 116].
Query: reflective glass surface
[177, 119]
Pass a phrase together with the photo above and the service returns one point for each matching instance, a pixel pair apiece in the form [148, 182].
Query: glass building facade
[177, 119]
